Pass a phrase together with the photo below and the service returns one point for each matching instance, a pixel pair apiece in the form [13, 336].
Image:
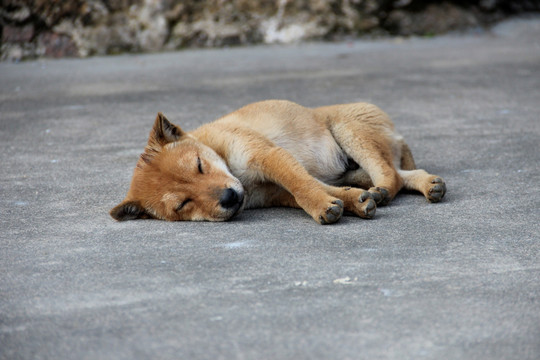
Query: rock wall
[52, 28]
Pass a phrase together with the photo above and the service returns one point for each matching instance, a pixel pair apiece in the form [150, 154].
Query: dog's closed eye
[179, 207]
[199, 165]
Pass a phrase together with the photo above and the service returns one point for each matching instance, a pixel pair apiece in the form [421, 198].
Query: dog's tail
[407, 160]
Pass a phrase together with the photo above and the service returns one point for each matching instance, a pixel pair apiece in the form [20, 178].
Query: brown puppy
[275, 153]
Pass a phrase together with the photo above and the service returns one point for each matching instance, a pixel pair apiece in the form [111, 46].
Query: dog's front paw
[331, 213]
[436, 190]
[380, 195]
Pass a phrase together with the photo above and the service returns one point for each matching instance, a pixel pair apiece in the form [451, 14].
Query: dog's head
[179, 178]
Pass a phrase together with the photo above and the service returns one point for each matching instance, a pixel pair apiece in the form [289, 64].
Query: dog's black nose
[230, 198]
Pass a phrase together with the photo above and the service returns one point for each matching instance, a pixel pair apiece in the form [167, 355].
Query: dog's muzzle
[232, 200]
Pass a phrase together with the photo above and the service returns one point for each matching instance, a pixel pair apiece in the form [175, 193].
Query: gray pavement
[455, 280]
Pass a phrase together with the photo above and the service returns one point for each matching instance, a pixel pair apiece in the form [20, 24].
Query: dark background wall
[87, 27]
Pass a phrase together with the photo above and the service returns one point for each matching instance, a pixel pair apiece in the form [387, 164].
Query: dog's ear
[164, 131]
[129, 210]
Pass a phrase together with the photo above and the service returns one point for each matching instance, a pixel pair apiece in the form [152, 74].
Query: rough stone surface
[456, 280]
[98, 27]
[434, 19]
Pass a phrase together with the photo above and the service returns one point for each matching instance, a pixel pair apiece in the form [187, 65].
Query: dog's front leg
[277, 165]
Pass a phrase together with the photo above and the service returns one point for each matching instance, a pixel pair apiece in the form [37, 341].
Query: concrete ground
[454, 280]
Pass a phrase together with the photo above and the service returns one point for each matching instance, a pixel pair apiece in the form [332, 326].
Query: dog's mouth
[238, 210]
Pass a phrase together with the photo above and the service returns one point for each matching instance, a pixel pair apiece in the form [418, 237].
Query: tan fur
[275, 153]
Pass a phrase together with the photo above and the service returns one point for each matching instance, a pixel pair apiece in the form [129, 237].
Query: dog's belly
[299, 130]
[320, 155]
[302, 133]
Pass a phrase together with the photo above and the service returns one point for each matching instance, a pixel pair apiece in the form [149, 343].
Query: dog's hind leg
[432, 186]
[365, 133]
[358, 178]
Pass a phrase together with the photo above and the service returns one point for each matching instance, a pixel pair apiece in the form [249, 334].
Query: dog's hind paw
[436, 190]
[366, 206]
[380, 195]
[359, 202]
[332, 213]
